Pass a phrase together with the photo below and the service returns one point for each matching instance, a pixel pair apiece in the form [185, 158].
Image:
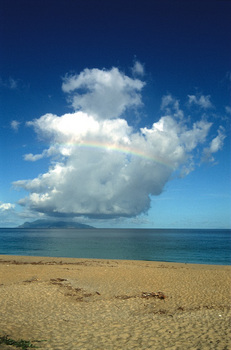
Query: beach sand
[114, 304]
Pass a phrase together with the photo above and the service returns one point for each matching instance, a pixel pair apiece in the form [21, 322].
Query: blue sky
[115, 113]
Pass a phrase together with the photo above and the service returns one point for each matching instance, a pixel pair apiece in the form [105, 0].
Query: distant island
[53, 224]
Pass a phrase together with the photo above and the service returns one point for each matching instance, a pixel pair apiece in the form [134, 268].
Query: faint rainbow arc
[121, 149]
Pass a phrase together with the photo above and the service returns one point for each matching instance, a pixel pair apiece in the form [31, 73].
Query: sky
[116, 113]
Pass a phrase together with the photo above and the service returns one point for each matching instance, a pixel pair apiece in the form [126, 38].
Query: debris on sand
[159, 295]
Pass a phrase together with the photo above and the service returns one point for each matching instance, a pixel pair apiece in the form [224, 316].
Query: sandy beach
[114, 304]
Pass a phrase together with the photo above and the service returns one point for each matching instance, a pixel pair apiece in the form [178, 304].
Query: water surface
[173, 245]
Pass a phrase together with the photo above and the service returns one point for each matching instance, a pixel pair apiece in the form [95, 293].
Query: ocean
[172, 245]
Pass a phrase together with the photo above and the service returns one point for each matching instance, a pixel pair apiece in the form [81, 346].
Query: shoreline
[29, 258]
[82, 304]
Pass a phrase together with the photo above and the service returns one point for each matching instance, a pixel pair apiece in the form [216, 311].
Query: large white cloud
[101, 93]
[100, 166]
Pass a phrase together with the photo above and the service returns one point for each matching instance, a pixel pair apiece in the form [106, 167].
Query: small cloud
[33, 157]
[202, 101]
[228, 109]
[6, 206]
[46, 153]
[217, 142]
[166, 101]
[138, 68]
[9, 83]
[228, 75]
[170, 105]
[15, 125]
[215, 146]
[12, 84]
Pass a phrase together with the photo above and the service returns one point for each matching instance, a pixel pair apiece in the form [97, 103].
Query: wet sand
[114, 304]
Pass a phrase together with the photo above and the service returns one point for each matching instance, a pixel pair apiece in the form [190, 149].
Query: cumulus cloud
[104, 94]
[100, 166]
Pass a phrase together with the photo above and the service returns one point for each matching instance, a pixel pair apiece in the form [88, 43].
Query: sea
[206, 246]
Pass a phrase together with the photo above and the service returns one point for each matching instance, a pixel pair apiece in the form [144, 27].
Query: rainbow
[121, 149]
